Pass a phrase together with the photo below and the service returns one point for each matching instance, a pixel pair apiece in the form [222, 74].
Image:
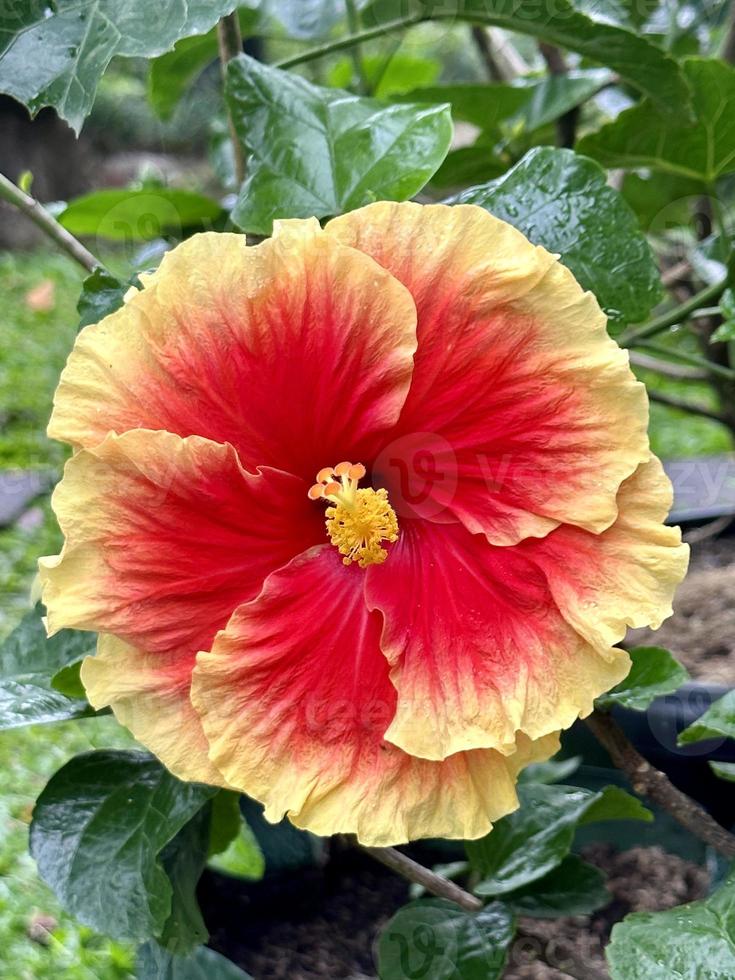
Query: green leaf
[54, 54]
[724, 770]
[98, 830]
[242, 858]
[573, 888]
[285, 847]
[726, 331]
[690, 942]
[139, 215]
[637, 61]
[184, 859]
[552, 771]
[319, 151]
[535, 839]
[102, 294]
[469, 165]
[28, 663]
[717, 722]
[702, 150]
[173, 73]
[613, 803]
[562, 201]
[155, 963]
[437, 939]
[225, 822]
[388, 76]
[654, 672]
[68, 681]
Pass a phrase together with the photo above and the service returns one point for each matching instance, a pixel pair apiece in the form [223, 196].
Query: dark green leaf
[563, 202]
[28, 663]
[483, 105]
[139, 215]
[225, 821]
[68, 681]
[102, 294]
[156, 963]
[661, 201]
[469, 165]
[319, 151]
[574, 888]
[55, 53]
[535, 839]
[613, 803]
[98, 829]
[702, 150]
[171, 75]
[724, 770]
[717, 722]
[183, 859]
[284, 846]
[242, 858]
[691, 942]
[631, 55]
[654, 672]
[552, 771]
[436, 939]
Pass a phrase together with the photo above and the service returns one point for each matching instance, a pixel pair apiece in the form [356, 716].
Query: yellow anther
[358, 521]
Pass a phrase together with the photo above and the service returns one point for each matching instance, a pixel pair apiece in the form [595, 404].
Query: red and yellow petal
[478, 648]
[625, 577]
[297, 351]
[165, 537]
[294, 698]
[534, 416]
[149, 695]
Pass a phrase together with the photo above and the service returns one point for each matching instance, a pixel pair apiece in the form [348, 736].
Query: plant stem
[695, 408]
[353, 22]
[340, 43]
[714, 369]
[230, 46]
[566, 125]
[680, 313]
[728, 46]
[666, 368]
[430, 880]
[651, 782]
[47, 223]
[485, 49]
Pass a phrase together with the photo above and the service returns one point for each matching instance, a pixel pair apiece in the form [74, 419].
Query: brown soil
[701, 633]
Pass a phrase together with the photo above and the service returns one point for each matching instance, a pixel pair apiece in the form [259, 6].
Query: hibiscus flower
[360, 514]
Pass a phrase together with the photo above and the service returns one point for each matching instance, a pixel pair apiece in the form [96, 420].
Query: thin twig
[727, 52]
[718, 370]
[47, 223]
[230, 46]
[675, 273]
[694, 408]
[680, 313]
[353, 22]
[481, 37]
[566, 124]
[651, 782]
[678, 371]
[430, 880]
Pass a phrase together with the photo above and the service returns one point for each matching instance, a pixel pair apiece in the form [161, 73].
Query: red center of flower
[358, 520]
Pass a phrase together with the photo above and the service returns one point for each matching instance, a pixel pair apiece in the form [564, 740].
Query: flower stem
[349, 40]
[680, 313]
[651, 782]
[230, 46]
[47, 223]
[436, 884]
[695, 408]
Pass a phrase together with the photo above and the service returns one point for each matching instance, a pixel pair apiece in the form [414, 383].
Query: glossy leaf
[98, 830]
[156, 963]
[242, 858]
[437, 939]
[535, 839]
[724, 770]
[469, 165]
[552, 771]
[636, 59]
[702, 149]
[102, 294]
[717, 722]
[573, 888]
[319, 151]
[28, 663]
[55, 54]
[562, 201]
[690, 942]
[139, 215]
[726, 330]
[654, 672]
[183, 859]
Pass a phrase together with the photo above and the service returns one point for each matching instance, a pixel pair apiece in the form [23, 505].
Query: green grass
[33, 347]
